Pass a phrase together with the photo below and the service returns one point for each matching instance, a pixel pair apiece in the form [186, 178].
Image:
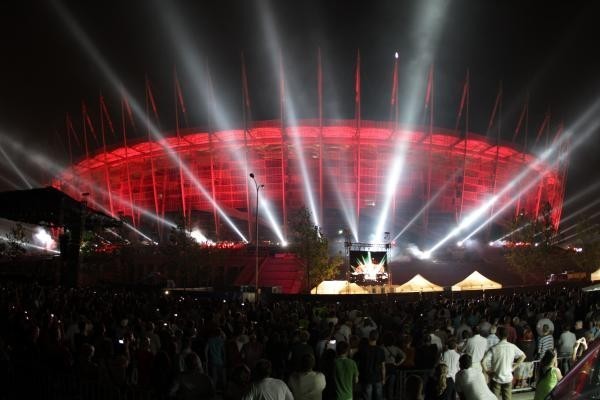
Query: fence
[45, 384]
[530, 373]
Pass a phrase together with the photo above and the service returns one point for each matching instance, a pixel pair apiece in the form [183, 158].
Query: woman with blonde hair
[439, 386]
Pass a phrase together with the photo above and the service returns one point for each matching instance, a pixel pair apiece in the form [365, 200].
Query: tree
[15, 242]
[532, 250]
[186, 255]
[588, 239]
[312, 247]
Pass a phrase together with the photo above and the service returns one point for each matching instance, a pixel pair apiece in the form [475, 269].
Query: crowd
[173, 346]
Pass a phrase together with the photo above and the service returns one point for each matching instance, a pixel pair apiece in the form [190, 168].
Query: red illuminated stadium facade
[348, 165]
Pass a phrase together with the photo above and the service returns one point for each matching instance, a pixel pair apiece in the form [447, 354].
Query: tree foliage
[588, 239]
[312, 247]
[532, 250]
[14, 245]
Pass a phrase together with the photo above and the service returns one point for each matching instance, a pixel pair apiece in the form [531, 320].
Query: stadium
[339, 169]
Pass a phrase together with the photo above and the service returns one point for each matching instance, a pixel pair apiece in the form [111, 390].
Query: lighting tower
[258, 187]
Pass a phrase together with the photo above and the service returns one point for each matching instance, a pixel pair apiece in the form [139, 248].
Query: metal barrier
[530, 374]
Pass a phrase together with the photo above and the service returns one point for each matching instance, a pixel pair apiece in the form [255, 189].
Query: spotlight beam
[426, 206]
[586, 117]
[31, 246]
[578, 141]
[84, 41]
[287, 106]
[16, 169]
[429, 23]
[43, 162]
[562, 240]
[570, 200]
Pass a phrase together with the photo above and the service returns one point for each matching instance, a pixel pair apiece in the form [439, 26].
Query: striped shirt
[545, 343]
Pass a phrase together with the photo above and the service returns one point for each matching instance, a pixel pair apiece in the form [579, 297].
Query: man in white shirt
[435, 339]
[307, 384]
[265, 387]
[476, 347]
[499, 363]
[470, 383]
[451, 358]
[345, 331]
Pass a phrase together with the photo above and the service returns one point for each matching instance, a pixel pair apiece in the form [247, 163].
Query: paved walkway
[523, 396]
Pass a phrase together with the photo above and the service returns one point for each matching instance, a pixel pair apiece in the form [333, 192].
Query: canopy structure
[418, 284]
[338, 287]
[595, 275]
[592, 288]
[476, 281]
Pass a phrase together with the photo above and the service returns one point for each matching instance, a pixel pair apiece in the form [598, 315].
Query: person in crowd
[238, 384]
[463, 327]
[470, 382]
[86, 368]
[306, 384]
[439, 386]
[476, 347]
[327, 368]
[524, 371]
[345, 330]
[414, 388]
[492, 339]
[462, 342]
[435, 339]
[511, 332]
[252, 351]
[581, 346]
[566, 344]
[265, 387]
[276, 351]
[409, 352]
[450, 358]
[140, 337]
[365, 326]
[427, 352]
[544, 320]
[345, 373]
[299, 349]
[193, 383]
[394, 357]
[371, 366]
[215, 357]
[499, 362]
[545, 341]
[549, 375]
[186, 348]
[579, 330]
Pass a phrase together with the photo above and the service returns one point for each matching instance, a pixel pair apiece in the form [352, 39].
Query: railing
[530, 374]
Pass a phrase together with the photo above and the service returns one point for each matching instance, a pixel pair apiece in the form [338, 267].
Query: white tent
[593, 288]
[596, 275]
[338, 287]
[418, 284]
[476, 281]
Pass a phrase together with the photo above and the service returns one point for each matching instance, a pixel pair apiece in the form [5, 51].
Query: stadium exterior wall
[348, 166]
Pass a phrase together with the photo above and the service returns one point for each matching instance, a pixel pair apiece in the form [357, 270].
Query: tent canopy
[476, 281]
[592, 288]
[338, 287]
[595, 275]
[418, 284]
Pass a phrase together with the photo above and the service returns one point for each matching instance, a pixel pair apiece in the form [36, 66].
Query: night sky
[547, 48]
